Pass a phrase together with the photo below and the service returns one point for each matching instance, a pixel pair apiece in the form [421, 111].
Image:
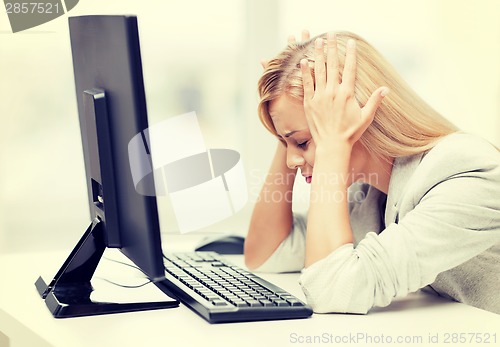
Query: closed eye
[302, 145]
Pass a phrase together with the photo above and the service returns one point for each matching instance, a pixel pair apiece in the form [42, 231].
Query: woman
[400, 199]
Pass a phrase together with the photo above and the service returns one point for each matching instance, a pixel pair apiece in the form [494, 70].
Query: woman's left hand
[333, 114]
[291, 40]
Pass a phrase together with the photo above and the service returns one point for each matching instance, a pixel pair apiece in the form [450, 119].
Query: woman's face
[290, 122]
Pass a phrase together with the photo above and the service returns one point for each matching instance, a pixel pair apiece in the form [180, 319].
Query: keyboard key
[253, 303]
[240, 303]
[295, 302]
[266, 303]
[259, 297]
[280, 302]
[219, 303]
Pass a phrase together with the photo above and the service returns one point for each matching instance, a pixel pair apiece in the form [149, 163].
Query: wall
[204, 56]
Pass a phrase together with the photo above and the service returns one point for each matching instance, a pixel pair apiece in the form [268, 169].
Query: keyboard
[221, 292]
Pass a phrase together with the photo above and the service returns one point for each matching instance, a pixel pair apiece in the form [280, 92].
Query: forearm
[328, 225]
[272, 216]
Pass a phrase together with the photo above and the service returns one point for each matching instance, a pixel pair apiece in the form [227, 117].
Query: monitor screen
[106, 55]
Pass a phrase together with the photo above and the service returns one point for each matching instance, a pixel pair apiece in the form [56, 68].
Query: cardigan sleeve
[455, 220]
[290, 254]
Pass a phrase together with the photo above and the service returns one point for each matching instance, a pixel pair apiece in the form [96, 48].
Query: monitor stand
[68, 294]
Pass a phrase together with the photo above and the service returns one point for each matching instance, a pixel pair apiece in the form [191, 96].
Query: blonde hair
[404, 124]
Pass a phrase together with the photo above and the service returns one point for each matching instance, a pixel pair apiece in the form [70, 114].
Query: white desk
[26, 322]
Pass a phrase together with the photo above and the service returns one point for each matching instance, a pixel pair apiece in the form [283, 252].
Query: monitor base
[68, 294]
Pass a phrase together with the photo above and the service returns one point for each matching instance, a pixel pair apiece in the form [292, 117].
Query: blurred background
[204, 56]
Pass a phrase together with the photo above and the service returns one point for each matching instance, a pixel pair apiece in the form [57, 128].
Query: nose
[294, 158]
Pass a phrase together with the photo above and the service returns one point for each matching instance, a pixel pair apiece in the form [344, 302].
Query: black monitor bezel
[106, 55]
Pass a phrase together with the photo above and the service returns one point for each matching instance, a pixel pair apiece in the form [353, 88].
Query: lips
[308, 178]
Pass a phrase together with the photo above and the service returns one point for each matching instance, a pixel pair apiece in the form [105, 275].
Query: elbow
[328, 300]
[250, 262]
[250, 255]
[333, 288]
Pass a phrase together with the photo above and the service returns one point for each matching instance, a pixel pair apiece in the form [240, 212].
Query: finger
[319, 65]
[305, 35]
[264, 63]
[349, 74]
[307, 80]
[373, 103]
[369, 110]
[291, 39]
[332, 61]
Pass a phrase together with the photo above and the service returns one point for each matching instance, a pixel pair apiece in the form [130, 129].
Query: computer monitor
[112, 110]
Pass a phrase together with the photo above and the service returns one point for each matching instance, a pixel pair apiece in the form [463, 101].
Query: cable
[124, 285]
[123, 263]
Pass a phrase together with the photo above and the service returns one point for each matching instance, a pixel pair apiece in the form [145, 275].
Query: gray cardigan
[438, 228]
